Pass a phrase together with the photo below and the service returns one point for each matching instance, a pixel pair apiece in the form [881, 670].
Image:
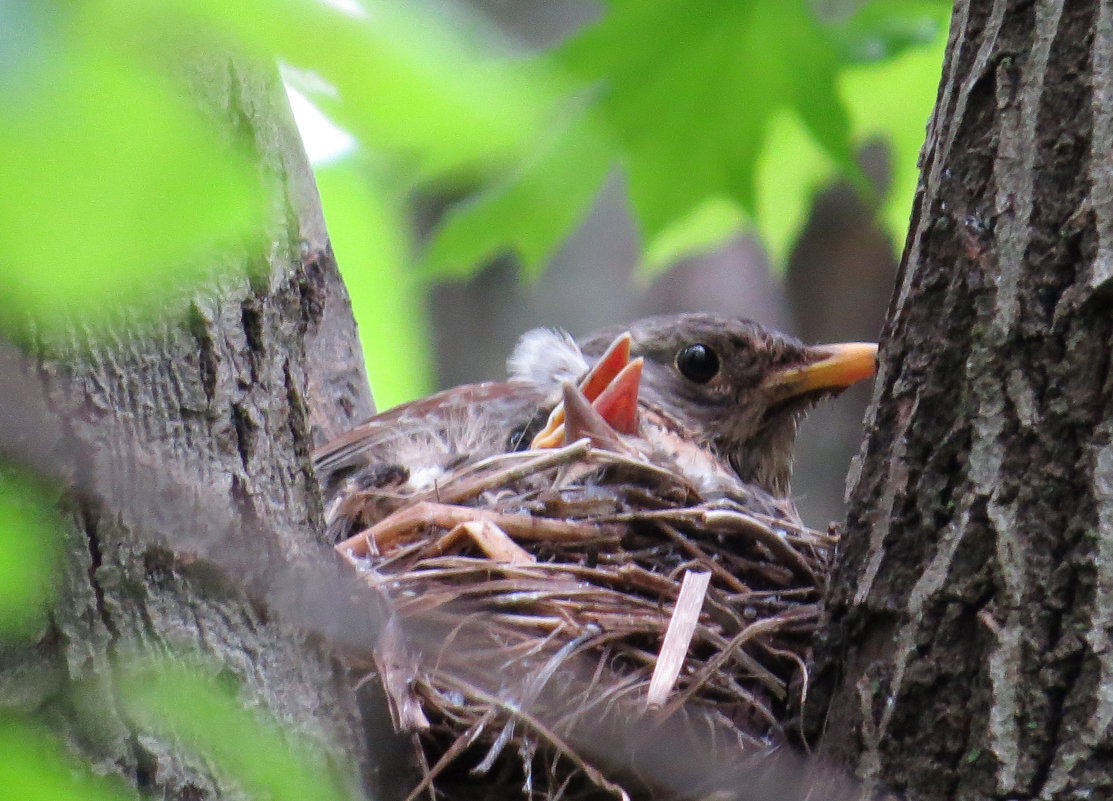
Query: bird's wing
[476, 417]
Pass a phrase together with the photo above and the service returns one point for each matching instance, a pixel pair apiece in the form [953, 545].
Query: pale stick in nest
[550, 637]
[412, 521]
[678, 636]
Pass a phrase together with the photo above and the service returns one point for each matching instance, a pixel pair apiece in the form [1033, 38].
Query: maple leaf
[695, 100]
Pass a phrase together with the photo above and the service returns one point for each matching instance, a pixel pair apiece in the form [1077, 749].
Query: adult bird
[718, 398]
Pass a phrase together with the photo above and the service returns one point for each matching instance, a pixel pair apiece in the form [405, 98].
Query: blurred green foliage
[111, 184]
[721, 116]
[117, 187]
[28, 548]
[370, 234]
[188, 703]
[34, 768]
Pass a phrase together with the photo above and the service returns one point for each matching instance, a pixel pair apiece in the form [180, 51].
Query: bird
[731, 388]
[718, 398]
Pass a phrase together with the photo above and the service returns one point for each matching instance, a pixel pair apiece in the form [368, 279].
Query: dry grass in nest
[543, 584]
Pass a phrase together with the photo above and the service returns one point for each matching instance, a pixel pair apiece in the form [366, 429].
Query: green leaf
[369, 234]
[28, 553]
[689, 89]
[532, 210]
[718, 112]
[35, 769]
[709, 224]
[883, 29]
[791, 169]
[431, 86]
[893, 101]
[252, 748]
[114, 183]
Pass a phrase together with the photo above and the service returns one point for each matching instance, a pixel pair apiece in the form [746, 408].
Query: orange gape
[612, 388]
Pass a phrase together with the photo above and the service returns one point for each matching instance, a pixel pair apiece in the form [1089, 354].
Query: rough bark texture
[180, 435]
[969, 655]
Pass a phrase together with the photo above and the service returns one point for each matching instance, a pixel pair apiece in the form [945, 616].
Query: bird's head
[736, 387]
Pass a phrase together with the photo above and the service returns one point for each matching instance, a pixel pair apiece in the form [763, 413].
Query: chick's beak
[834, 367]
[611, 387]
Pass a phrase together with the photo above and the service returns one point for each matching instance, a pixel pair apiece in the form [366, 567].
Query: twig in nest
[491, 539]
[473, 480]
[396, 668]
[459, 745]
[593, 774]
[715, 663]
[678, 636]
[741, 523]
[382, 537]
[692, 549]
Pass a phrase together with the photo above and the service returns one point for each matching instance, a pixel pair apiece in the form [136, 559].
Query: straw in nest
[541, 586]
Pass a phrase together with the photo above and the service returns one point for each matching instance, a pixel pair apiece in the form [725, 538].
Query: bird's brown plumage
[710, 423]
[737, 413]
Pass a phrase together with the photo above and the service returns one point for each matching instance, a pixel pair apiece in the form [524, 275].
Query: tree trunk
[969, 654]
[180, 435]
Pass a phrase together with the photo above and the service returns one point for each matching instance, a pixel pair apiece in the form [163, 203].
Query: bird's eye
[698, 363]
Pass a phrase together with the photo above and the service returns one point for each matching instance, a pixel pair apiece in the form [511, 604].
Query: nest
[581, 623]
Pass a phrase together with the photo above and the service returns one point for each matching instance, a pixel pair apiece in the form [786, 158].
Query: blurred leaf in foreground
[33, 768]
[431, 86]
[28, 554]
[369, 233]
[111, 184]
[205, 717]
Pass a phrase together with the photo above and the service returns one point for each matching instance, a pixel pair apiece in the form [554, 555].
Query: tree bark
[969, 654]
[188, 441]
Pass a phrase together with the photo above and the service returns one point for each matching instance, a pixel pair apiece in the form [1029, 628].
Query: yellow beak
[836, 367]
